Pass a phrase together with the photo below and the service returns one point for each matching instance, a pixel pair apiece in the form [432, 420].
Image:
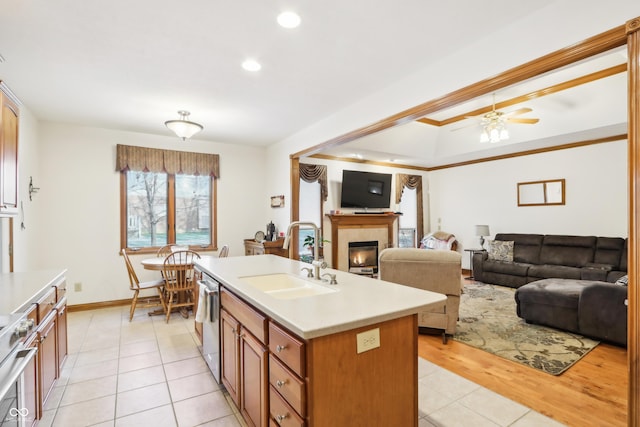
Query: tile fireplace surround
[345, 228]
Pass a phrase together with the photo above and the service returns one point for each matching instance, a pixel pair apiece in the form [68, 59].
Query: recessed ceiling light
[251, 65]
[289, 19]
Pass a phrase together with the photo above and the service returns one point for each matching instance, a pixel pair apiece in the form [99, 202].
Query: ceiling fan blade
[522, 120]
[518, 111]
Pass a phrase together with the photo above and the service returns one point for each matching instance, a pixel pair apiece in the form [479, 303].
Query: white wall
[79, 203]
[485, 193]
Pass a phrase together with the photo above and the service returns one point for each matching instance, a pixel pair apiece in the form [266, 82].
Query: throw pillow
[501, 250]
[622, 281]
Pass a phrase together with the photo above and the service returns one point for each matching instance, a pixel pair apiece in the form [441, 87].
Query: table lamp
[482, 231]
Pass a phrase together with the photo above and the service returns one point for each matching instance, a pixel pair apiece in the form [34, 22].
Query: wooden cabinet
[251, 247]
[49, 316]
[61, 334]
[8, 152]
[244, 358]
[230, 355]
[253, 379]
[47, 355]
[286, 377]
[319, 382]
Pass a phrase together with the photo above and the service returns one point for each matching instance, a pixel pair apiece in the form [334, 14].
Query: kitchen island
[300, 351]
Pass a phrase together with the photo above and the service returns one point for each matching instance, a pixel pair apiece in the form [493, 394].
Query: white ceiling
[594, 110]
[131, 65]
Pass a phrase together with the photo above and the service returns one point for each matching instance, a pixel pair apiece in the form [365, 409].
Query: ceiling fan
[494, 122]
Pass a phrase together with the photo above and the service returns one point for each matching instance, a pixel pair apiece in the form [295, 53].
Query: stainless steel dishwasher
[211, 325]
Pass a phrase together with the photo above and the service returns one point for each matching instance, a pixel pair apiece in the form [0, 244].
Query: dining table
[157, 264]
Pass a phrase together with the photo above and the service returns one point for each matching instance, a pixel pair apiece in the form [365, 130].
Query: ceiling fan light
[494, 135]
[484, 136]
[182, 127]
[504, 134]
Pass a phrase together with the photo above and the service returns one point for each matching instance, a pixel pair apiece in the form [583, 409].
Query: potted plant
[309, 243]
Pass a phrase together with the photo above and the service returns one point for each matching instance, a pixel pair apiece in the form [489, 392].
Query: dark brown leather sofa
[537, 256]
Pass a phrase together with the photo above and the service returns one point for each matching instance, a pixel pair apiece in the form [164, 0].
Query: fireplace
[363, 257]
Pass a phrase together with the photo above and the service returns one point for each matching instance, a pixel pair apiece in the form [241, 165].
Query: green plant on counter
[309, 242]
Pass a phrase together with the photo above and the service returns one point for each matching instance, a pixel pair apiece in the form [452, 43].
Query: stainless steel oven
[14, 359]
[211, 325]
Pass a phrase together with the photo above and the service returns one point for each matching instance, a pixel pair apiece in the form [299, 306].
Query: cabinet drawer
[287, 348]
[46, 304]
[61, 290]
[32, 314]
[288, 385]
[251, 319]
[281, 412]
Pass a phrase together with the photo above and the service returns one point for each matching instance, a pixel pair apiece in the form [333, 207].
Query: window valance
[409, 181]
[129, 157]
[313, 173]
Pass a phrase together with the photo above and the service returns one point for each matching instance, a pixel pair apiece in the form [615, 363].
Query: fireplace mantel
[354, 221]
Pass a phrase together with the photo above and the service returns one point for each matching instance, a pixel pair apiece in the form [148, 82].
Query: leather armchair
[436, 271]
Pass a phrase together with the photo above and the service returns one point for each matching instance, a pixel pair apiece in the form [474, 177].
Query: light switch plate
[368, 340]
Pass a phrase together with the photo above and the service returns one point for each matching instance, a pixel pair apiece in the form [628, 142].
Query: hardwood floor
[593, 392]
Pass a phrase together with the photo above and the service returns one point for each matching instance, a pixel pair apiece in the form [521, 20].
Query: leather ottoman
[551, 302]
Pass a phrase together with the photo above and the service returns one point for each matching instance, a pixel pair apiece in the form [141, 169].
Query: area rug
[488, 321]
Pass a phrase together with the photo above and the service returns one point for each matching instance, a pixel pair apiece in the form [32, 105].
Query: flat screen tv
[365, 190]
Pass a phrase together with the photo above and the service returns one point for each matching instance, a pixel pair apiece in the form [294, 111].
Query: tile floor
[149, 373]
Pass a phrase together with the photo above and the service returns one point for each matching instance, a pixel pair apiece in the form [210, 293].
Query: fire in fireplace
[363, 257]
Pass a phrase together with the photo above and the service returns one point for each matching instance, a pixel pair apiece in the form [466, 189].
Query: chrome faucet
[317, 263]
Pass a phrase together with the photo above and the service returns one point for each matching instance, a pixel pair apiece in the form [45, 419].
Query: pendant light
[183, 127]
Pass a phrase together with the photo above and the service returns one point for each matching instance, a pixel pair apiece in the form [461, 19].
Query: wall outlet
[368, 340]
[77, 286]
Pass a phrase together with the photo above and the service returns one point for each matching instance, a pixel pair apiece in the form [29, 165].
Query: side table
[471, 253]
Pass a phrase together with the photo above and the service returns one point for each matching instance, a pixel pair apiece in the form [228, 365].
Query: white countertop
[19, 290]
[359, 300]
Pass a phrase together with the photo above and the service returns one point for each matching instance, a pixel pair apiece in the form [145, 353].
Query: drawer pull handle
[281, 383]
[281, 418]
[280, 348]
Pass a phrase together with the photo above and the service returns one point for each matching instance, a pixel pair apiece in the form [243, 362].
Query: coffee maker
[271, 232]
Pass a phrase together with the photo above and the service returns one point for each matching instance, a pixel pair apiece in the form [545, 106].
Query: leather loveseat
[537, 256]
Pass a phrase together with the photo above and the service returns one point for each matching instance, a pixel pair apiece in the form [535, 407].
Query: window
[310, 210]
[409, 200]
[156, 200]
[407, 223]
[159, 208]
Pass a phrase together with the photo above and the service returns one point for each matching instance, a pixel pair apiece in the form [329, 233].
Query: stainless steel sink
[286, 286]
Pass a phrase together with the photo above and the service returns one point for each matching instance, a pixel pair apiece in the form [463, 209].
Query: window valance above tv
[129, 157]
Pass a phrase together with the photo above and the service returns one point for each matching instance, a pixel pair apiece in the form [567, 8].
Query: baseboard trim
[96, 305]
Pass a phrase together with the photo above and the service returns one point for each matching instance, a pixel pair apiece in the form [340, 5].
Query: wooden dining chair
[136, 286]
[223, 252]
[179, 280]
[165, 250]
